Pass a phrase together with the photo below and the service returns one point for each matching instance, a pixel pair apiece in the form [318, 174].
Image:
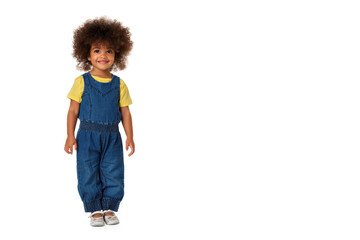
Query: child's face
[101, 56]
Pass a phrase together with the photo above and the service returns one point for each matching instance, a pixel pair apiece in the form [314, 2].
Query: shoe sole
[112, 223]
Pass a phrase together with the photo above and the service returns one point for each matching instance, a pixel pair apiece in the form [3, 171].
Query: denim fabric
[100, 101]
[100, 164]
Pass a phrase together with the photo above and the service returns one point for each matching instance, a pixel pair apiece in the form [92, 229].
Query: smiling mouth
[103, 62]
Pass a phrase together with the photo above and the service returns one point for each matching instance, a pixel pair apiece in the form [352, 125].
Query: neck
[101, 73]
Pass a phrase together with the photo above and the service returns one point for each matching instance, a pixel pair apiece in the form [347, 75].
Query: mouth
[103, 62]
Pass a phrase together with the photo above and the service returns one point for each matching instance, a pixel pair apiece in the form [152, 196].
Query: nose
[103, 55]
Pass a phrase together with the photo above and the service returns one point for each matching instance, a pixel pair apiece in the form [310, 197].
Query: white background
[246, 120]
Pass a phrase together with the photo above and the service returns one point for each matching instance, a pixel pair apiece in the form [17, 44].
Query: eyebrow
[100, 47]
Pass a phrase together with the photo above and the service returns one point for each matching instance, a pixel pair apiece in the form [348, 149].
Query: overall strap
[86, 79]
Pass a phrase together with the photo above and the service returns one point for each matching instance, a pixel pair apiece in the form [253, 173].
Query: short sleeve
[77, 89]
[125, 99]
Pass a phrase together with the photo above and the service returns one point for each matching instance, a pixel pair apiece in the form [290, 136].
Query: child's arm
[127, 124]
[71, 123]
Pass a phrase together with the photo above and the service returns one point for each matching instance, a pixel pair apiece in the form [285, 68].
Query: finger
[132, 151]
[75, 145]
[66, 148]
[71, 150]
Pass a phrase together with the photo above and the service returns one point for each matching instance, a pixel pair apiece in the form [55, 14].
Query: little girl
[100, 100]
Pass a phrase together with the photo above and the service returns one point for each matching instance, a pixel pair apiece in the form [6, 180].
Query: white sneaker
[111, 220]
[97, 221]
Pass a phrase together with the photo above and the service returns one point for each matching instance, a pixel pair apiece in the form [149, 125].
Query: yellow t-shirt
[78, 88]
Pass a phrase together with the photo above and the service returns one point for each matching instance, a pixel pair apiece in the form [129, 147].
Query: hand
[130, 143]
[70, 142]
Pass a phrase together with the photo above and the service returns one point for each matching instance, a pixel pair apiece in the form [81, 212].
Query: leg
[112, 171]
[88, 161]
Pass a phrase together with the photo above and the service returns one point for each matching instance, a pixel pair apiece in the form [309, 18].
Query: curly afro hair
[102, 30]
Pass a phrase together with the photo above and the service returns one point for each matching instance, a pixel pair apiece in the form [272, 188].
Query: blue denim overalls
[100, 164]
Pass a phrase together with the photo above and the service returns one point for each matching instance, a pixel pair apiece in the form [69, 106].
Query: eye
[109, 51]
[96, 51]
